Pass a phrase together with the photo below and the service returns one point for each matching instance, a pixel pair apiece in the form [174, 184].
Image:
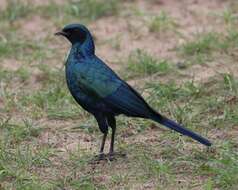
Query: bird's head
[75, 33]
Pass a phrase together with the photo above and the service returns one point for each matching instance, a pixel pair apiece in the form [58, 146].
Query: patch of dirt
[127, 36]
[36, 27]
[202, 73]
[59, 136]
[46, 2]
[11, 64]
[3, 4]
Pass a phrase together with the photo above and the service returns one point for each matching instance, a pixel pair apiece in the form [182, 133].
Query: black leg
[111, 151]
[112, 123]
[103, 126]
[103, 143]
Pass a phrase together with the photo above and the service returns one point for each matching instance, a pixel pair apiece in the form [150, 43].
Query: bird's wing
[96, 79]
[128, 101]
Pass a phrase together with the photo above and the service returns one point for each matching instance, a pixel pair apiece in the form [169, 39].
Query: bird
[101, 92]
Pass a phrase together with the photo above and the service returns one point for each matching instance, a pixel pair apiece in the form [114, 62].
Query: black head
[75, 33]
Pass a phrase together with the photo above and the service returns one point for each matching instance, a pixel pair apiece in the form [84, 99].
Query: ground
[180, 55]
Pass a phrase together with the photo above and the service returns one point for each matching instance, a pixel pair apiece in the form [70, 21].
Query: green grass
[229, 16]
[222, 168]
[206, 46]
[201, 49]
[16, 165]
[141, 64]
[82, 11]
[16, 9]
[17, 158]
[52, 99]
[14, 46]
[93, 9]
[179, 100]
[162, 23]
[15, 133]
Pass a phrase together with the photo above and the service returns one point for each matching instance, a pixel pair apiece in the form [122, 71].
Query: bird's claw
[100, 156]
[113, 155]
[107, 157]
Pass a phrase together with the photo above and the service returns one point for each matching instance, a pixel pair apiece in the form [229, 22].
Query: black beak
[61, 33]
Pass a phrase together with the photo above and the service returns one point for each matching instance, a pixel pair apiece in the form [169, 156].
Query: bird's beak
[61, 33]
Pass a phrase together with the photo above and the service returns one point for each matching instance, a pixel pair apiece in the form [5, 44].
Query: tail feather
[175, 126]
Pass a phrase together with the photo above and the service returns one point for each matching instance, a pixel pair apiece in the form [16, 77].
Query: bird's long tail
[175, 126]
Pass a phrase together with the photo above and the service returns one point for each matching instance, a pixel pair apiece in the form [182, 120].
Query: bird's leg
[112, 123]
[101, 154]
[103, 126]
[111, 150]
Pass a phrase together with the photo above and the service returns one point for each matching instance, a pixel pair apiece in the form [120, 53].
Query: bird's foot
[113, 155]
[98, 158]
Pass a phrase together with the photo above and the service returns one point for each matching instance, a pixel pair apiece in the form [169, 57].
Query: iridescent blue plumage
[82, 76]
[101, 92]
